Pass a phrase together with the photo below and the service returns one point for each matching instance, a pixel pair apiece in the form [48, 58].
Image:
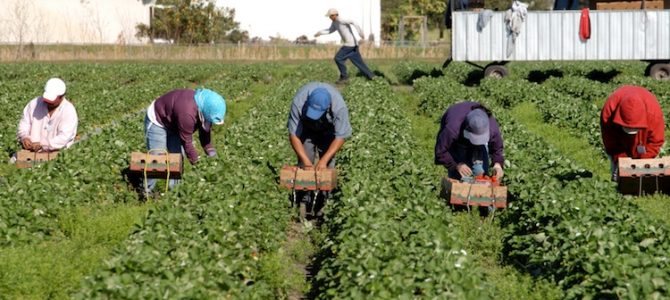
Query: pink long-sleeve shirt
[52, 132]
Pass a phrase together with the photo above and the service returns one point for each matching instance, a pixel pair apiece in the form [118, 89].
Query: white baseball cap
[55, 87]
[331, 12]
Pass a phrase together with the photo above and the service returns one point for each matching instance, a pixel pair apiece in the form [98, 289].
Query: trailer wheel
[496, 71]
[660, 71]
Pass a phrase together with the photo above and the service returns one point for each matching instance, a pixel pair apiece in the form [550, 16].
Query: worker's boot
[342, 80]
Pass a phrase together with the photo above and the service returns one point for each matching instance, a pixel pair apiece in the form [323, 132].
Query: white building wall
[290, 19]
[71, 21]
[554, 35]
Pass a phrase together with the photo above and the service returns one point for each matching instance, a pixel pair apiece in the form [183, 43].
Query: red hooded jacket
[634, 107]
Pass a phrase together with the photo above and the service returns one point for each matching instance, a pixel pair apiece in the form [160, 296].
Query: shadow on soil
[602, 76]
[474, 78]
[542, 76]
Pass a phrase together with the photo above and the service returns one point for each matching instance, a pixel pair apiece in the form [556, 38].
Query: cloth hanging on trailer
[514, 18]
[585, 25]
[483, 19]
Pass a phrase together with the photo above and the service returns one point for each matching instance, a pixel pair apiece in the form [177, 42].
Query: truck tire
[496, 71]
[660, 71]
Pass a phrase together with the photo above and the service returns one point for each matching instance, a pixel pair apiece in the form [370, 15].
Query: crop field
[75, 228]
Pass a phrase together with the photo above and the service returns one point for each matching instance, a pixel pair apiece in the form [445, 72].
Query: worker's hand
[36, 147]
[322, 165]
[308, 168]
[317, 34]
[464, 170]
[27, 144]
[211, 152]
[498, 171]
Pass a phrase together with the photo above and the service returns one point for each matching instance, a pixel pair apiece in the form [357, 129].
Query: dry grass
[10, 53]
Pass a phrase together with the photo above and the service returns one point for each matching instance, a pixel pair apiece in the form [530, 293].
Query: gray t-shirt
[343, 27]
[339, 116]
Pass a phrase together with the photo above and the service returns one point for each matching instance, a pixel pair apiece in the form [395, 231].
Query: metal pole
[424, 31]
[401, 31]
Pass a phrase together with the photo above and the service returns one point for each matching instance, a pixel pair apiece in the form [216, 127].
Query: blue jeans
[354, 55]
[159, 139]
[614, 169]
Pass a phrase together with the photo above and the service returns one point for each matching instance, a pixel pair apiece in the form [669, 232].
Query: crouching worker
[173, 118]
[318, 123]
[632, 125]
[469, 137]
[49, 123]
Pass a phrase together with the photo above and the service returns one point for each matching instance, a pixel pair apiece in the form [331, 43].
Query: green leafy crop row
[389, 235]
[32, 199]
[110, 126]
[211, 236]
[577, 231]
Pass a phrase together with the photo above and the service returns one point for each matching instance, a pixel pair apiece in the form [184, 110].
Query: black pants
[315, 144]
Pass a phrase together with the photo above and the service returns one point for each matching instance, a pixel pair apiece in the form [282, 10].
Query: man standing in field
[173, 118]
[469, 135]
[49, 123]
[349, 49]
[318, 122]
[632, 125]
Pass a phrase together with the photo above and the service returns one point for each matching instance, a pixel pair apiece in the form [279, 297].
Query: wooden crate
[473, 194]
[629, 5]
[644, 176]
[26, 158]
[292, 177]
[157, 164]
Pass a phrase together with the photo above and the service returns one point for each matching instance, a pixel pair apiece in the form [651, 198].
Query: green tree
[393, 10]
[192, 22]
[433, 9]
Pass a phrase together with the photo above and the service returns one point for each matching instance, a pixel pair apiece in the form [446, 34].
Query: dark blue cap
[317, 103]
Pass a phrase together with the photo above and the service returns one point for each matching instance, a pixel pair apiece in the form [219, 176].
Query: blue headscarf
[211, 105]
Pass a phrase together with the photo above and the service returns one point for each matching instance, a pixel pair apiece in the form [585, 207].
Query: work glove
[211, 152]
[498, 171]
[464, 170]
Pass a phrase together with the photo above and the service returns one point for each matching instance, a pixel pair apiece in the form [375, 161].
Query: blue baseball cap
[477, 127]
[317, 103]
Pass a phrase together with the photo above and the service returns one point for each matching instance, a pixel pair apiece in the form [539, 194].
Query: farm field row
[566, 225]
[222, 233]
